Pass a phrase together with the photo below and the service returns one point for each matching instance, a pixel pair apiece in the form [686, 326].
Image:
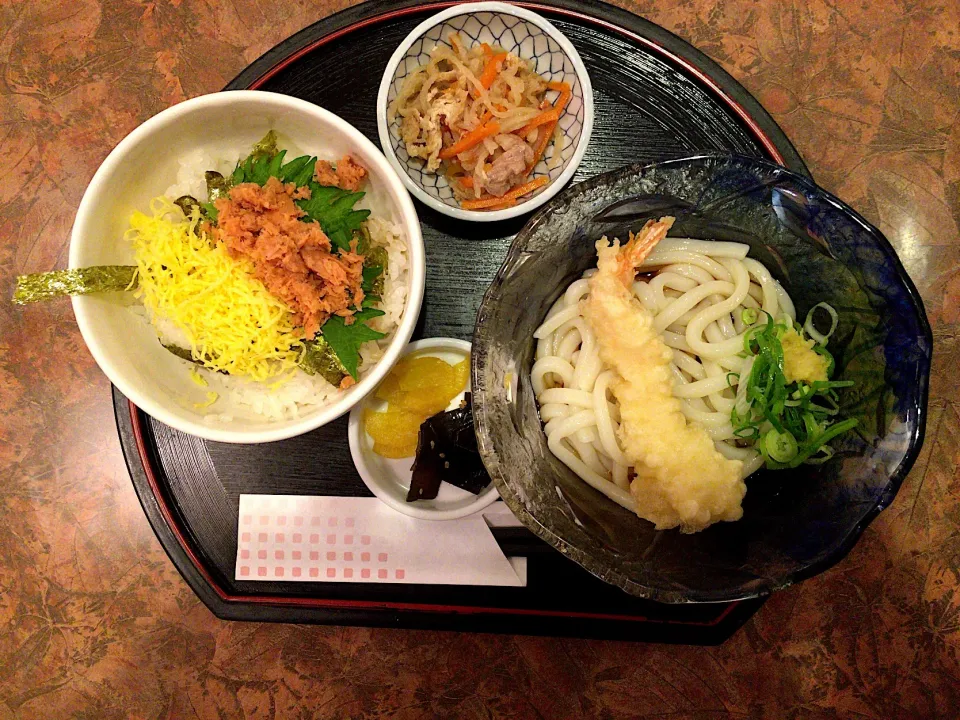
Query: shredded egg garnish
[233, 323]
[211, 399]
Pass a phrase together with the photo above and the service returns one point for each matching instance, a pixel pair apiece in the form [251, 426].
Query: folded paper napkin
[350, 539]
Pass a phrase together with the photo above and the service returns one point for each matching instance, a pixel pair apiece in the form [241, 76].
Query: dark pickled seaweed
[427, 467]
[447, 451]
[320, 359]
[81, 281]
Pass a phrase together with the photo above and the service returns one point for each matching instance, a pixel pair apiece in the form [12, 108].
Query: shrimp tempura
[681, 478]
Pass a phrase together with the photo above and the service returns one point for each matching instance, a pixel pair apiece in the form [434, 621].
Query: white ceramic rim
[409, 222]
[355, 433]
[554, 187]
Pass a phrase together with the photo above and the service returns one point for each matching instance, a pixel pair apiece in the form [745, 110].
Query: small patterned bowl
[518, 31]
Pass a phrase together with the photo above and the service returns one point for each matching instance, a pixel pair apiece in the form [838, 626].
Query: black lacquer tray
[656, 97]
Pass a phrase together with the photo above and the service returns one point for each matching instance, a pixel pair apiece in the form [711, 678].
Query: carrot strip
[565, 93]
[551, 114]
[487, 50]
[472, 138]
[499, 206]
[548, 116]
[491, 69]
[542, 144]
[491, 201]
[466, 181]
[527, 187]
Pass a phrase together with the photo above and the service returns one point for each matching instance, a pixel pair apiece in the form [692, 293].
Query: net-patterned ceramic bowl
[518, 31]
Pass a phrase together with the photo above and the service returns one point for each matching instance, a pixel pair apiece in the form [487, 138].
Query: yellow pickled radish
[427, 402]
[388, 389]
[461, 373]
[422, 373]
[393, 427]
[394, 452]
[416, 389]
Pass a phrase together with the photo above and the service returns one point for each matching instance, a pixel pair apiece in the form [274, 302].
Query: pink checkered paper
[347, 539]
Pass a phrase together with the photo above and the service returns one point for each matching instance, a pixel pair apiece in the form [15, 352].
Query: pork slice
[508, 169]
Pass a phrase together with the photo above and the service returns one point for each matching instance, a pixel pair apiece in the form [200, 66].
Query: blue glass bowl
[796, 523]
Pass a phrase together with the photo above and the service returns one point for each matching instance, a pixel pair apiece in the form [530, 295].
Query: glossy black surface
[795, 522]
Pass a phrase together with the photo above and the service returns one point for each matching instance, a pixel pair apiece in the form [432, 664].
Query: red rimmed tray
[656, 97]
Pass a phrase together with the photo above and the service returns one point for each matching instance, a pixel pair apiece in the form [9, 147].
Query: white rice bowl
[301, 393]
[213, 132]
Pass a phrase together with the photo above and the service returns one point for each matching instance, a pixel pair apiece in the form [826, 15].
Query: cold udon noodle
[697, 295]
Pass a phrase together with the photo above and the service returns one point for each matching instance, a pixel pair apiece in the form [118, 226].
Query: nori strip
[80, 281]
[374, 270]
[185, 354]
[320, 359]
[266, 147]
[447, 451]
[217, 185]
[187, 203]
[363, 238]
[181, 352]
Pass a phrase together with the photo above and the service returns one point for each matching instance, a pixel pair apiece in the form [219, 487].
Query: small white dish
[142, 166]
[389, 479]
[518, 31]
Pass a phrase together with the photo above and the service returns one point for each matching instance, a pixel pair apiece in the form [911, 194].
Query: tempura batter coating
[682, 480]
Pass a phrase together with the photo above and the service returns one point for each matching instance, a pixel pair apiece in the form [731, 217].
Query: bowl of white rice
[167, 156]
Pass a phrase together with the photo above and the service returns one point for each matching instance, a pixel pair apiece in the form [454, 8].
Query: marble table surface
[96, 623]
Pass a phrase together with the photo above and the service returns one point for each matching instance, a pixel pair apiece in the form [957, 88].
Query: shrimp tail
[641, 244]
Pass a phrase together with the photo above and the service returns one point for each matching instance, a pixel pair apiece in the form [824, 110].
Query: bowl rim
[84, 310]
[358, 451]
[552, 188]
[766, 587]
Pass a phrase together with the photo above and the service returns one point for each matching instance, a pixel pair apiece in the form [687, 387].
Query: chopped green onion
[781, 446]
[789, 423]
[831, 363]
[822, 455]
[812, 331]
[749, 316]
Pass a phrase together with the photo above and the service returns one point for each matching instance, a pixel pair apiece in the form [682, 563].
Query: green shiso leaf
[347, 339]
